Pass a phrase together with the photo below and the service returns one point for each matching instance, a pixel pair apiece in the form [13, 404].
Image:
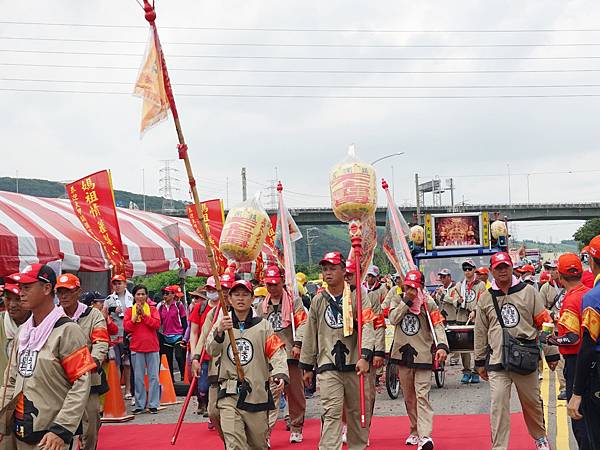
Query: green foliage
[587, 231]
[156, 282]
[54, 189]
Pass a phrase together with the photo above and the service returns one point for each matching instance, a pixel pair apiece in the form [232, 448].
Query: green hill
[55, 189]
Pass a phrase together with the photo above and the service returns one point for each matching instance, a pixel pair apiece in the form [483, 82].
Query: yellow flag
[151, 87]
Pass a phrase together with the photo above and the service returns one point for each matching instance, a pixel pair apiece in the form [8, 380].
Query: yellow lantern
[498, 228]
[417, 234]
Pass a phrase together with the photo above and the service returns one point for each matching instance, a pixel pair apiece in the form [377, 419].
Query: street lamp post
[309, 241]
[386, 157]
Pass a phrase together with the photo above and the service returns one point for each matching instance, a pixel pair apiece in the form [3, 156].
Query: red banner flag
[214, 216]
[93, 200]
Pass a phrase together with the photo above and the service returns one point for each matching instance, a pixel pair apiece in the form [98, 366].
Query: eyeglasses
[468, 269]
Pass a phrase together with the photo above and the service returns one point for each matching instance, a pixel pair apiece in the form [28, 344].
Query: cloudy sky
[467, 89]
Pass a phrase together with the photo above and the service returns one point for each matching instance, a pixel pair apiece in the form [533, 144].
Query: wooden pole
[193, 384]
[183, 154]
[355, 232]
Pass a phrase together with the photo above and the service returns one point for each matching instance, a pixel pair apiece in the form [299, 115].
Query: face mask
[212, 295]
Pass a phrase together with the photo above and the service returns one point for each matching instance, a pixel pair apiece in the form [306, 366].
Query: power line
[319, 58]
[317, 30]
[322, 86]
[420, 72]
[328, 45]
[369, 97]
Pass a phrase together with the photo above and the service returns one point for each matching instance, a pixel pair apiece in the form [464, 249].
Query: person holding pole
[414, 341]
[330, 344]
[244, 405]
[288, 318]
[214, 420]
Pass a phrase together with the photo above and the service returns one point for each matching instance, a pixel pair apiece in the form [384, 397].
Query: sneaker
[201, 410]
[454, 361]
[128, 396]
[412, 440]
[295, 437]
[562, 395]
[474, 378]
[542, 444]
[137, 411]
[425, 443]
[153, 410]
[344, 433]
[211, 426]
[133, 402]
[465, 378]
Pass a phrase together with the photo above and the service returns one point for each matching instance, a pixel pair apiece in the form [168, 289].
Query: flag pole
[285, 232]
[355, 232]
[408, 256]
[193, 384]
[150, 15]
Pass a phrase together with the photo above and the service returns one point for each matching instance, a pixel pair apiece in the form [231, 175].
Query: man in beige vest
[511, 308]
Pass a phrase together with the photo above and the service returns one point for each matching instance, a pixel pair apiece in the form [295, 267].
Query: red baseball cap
[227, 280]
[413, 279]
[499, 259]
[119, 277]
[67, 281]
[175, 289]
[585, 250]
[570, 264]
[350, 266]
[272, 275]
[14, 288]
[545, 277]
[245, 284]
[594, 246]
[33, 273]
[528, 268]
[333, 258]
[483, 270]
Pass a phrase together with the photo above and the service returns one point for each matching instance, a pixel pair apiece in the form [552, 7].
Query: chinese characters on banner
[94, 203]
[213, 214]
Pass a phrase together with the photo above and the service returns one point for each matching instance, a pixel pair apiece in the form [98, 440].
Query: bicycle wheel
[392, 383]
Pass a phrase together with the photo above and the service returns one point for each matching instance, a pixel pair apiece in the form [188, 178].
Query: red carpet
[450, 433]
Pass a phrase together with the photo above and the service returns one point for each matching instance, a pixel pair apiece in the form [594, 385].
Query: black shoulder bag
[518, 355]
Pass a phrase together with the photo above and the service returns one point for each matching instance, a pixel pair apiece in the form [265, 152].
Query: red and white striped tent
[36, 229]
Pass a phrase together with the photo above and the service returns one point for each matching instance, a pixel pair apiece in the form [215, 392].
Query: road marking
[562, 423]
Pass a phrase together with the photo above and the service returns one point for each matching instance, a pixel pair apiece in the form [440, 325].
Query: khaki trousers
[242, 430]
[415, 384]
[9, 442]
[213, 411]
[339, 391]
[91, 423]
[466, 363]
[531, 403]
[294, 393]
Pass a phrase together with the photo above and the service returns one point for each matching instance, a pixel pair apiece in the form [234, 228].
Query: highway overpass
[514, 212]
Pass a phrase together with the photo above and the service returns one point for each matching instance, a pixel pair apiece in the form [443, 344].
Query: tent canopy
[36, 229]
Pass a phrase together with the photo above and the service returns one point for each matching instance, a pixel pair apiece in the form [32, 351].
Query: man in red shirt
[570, 270]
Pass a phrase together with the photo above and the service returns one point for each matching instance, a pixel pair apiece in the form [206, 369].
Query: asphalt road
[453, 399]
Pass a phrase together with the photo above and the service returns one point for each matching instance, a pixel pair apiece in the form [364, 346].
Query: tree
[587, 231]
[155, 283]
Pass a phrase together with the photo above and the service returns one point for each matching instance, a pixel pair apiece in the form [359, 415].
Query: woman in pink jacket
[142, 322]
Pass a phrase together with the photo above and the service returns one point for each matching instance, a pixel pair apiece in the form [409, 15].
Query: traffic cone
[114, 405]
[168, 396]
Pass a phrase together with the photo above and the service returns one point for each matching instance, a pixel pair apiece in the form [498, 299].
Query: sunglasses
[468, 269]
